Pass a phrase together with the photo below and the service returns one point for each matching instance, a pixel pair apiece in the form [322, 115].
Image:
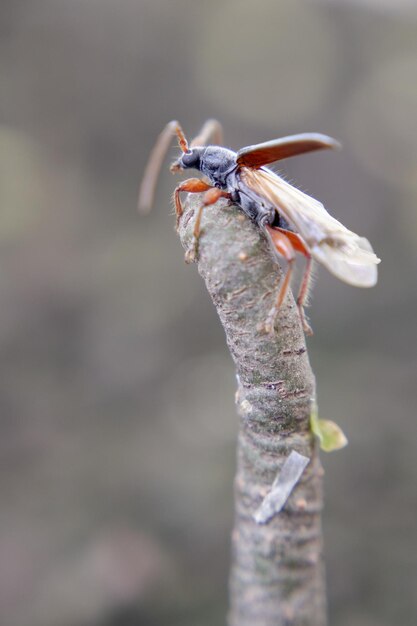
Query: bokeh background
[117, 422]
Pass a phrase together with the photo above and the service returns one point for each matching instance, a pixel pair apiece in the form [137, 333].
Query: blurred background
[117, 422]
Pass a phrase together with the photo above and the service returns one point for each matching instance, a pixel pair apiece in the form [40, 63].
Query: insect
[291, 220]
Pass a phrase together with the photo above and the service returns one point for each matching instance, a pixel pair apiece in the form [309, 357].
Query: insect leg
[303, 295]
[300, 246]
[283, 246]
[192, 185]
[210, 197]
[153, 167]
[212, 131]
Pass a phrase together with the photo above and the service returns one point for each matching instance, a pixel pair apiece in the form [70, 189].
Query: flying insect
[291, 220]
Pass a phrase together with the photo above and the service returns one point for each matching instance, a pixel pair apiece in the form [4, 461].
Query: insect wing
[341, 251]
[283, 148]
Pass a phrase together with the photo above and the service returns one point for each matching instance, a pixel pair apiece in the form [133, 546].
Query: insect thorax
[217, 163]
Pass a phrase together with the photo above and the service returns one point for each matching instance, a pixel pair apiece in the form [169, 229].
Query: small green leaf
[330, 435]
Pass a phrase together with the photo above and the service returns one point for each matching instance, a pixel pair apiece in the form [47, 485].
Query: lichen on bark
[277, 574]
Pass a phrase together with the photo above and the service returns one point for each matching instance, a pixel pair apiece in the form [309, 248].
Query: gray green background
[117, 422]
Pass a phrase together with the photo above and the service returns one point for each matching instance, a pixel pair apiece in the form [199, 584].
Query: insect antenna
[154, 164]
[182, 142]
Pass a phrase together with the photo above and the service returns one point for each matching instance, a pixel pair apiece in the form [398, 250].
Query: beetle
[291, 220]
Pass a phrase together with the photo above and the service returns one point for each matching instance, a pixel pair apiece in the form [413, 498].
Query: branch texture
[277, 570]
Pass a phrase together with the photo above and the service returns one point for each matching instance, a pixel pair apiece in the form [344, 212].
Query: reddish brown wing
[277, 149]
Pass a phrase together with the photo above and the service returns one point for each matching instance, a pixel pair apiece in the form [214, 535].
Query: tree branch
[277, 570]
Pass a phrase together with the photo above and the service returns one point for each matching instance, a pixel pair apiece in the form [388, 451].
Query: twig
[277, 571]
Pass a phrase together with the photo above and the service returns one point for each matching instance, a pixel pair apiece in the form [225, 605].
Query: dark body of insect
[220, 166]
[291, 220]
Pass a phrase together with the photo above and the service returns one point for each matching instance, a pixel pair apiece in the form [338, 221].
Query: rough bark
[277, 574]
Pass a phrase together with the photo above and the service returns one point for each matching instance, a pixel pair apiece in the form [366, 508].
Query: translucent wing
[342, 252]
[277, 149]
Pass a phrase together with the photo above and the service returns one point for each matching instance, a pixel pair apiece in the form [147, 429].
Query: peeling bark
[277, 576]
